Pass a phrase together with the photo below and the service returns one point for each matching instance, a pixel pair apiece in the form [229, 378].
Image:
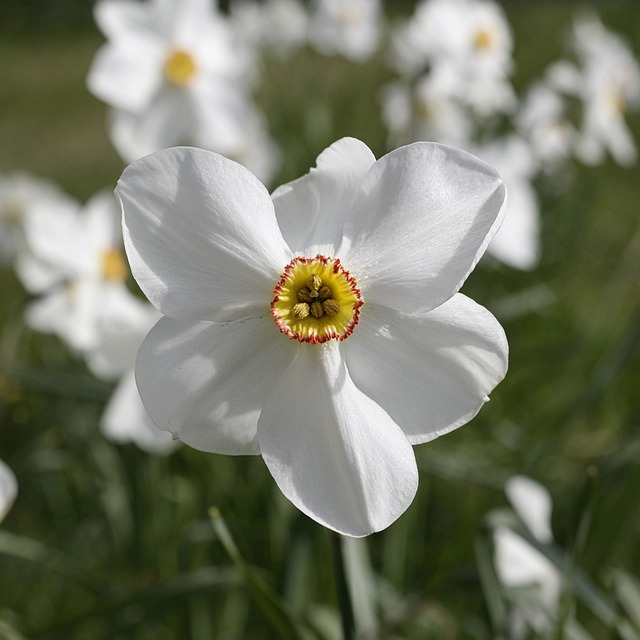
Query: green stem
[342, 588]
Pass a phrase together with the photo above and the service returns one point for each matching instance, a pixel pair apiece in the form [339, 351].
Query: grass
[107, 542]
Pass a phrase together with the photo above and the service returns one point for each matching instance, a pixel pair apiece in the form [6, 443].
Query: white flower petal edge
[8, 489]
[425, 216]
[206, 382]
[332, 450]
[447, 361]
[313, 209]
[200, 234]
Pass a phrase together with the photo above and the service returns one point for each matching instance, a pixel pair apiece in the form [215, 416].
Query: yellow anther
[331, 307]
[300, 310]
[314, 283]
[180, 68]
[316, 310]
[324, 292]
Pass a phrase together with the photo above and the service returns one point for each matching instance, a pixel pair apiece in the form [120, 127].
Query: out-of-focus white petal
[124, 18]
[53, 232]
[431, 372]
[332, 450]
[8, 489]
[206, 382]
[425, 216]
[126, 420]
[348, 27]
[223, 117]
[517, 242]
[532, 503]
[128, 74]
[163, 124]
[313, 209]
[518, 564]
[201, 235]
[120, 333]
[77, 310]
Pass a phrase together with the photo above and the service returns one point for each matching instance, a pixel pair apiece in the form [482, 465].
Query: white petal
[121, 19]
[332, 450]
[8, 489]
[426, 214]
[532, 502]
[519, 565]
[120, 333]
[164, 123]
[221, 113]
[126, 420]
[128, 74]
[207, 382]
[517, 242]
[313, 209]
[431, 372]
[201, 235]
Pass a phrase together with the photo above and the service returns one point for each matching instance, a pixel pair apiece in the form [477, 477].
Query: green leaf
[273, 607]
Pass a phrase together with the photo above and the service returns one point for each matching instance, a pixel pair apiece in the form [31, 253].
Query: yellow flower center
[316, 300]
[114, 268]
[179, 68]
[483, 40]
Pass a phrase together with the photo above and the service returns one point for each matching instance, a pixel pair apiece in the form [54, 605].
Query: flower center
[316, 300]
[483, 40]
[179, 68]
[113, 265]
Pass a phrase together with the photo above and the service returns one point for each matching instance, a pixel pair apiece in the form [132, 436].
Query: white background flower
[76, 262]
[335, 421]
[174, 73]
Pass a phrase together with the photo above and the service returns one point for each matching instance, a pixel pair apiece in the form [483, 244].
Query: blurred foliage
[107, 542]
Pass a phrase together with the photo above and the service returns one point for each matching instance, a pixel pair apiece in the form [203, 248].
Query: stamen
[331, 307]
[316, 310]
[301, 310]
[316, 300]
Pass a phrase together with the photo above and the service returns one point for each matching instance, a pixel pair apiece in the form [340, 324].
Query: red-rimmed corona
[316, 300]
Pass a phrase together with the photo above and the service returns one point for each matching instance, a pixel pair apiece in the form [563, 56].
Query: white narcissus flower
[174, 73]
[8, 489]
[467, 45]
[347, 27]
[321, 327]
[81, 250]
[607, 81]
[521, 566]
